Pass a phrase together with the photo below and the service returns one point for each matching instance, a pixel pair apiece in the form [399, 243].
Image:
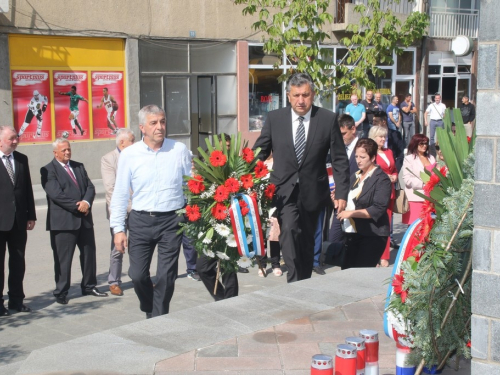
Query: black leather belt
[154, 213]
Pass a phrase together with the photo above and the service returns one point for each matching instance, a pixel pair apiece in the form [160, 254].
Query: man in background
[394, 118]
[357, 112]
[371, 106]
[109, 164]
[409, 111]
[435, 111]
[17, 216]
[468, 112]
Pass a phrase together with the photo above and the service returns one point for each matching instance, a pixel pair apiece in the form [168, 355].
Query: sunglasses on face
[423, 144]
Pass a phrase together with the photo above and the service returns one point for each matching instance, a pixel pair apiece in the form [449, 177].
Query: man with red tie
[70, 194]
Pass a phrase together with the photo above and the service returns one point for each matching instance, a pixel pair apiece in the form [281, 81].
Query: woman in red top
[385, 161]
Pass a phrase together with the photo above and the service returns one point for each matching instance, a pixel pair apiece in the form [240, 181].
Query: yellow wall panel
[66, 52]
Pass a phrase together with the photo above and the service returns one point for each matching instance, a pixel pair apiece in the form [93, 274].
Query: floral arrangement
[229, 186]
[429, 307]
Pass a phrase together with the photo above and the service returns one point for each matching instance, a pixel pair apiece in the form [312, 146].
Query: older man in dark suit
[17, 215]
[70, 194]
[299, 139]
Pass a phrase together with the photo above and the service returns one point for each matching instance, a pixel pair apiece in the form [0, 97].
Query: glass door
[403, 87]
[206, 108]
[463, 88]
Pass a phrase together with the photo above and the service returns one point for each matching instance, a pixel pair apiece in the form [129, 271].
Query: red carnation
[429, 186]
[221, 193]
[196, 185]
[261, 169]
[219, 211]
[217, 158]
[232, 185]
[469, 139]
[193, 212]
[468, 344]
[247, 181]
[397, 283]
[269, 192]
[247, 155]
[244, 207]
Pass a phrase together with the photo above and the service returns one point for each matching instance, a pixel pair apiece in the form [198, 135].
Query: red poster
[71, 105]
[31, 93]
[108, 103]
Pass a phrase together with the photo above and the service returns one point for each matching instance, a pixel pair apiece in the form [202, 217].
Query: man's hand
[30, 225]
[121, 242]
[83, 206]
[339, 205]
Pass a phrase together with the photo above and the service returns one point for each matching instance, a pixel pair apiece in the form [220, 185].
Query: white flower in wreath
[249, 239]
[222, 255]
[207, 241]
[209, 253]
[222, 229]
[200, 235]
[244, 262]
[231, 241]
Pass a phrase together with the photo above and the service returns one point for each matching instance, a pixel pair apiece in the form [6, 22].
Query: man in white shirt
[153, 169]
[436, 113]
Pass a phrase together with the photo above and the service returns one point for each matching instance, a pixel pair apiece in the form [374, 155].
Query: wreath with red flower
[220, 175]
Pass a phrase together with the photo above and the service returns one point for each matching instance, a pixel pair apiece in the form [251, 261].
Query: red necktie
[71, 174]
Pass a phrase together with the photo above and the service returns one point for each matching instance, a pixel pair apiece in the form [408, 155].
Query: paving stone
[297, 325]
[484, 160]
[183, 362]
[485, 287]
[479, 338]
[482, 249]
[238, 363]
[298, 356]
[329, 315]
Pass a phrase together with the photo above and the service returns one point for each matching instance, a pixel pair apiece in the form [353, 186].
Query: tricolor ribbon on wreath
[238, 224]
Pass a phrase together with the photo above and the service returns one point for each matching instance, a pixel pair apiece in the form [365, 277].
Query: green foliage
[297, 27]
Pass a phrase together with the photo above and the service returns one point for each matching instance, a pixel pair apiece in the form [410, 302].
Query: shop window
[405, 63]
[383, 85]
[177, 105]
[151, 91]
[434, 69]
[265, 95]
[257, 56]
[226, 95]
[213, 58]
[464, 69]
[227, 125]
[163, 56]
[448, 69]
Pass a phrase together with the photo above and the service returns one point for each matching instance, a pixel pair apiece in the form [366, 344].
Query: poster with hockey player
[71, 104]
[108, 103]
[30, 94]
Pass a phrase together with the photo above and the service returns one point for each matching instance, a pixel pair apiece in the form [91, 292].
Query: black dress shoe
[62, 300]
[94, 292]
[242, 270]
[4, 311]
[19, 308]
[149, 315]
[319, 270]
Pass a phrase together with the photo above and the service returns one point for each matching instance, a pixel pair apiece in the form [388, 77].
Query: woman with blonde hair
[385, 160]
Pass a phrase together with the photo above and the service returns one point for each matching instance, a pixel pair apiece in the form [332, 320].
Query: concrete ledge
[135, 348]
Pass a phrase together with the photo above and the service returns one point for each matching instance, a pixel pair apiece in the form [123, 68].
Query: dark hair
[380, 114]
[73, 87]
[407, 95]
[392, 97]
[226, 137]
[299, 79]
[369, 145]
[346, 121]
[465, 96]
[105, 88]
[415, 141]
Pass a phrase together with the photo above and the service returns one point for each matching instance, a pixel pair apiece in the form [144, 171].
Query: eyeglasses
[423, 144]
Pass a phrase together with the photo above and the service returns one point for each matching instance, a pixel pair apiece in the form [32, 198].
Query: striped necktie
[8, 166]
[300, 140]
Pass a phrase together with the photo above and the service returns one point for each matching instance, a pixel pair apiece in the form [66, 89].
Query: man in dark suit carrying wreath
[299, 139]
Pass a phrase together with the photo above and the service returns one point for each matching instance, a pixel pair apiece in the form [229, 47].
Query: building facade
[190, 57]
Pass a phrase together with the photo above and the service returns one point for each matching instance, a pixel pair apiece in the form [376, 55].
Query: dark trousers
[189, 253]
[363, 251]
[207, 269]
[145, 233]
[318, 239]
[63, 244]
[297, 228]
[15, 239]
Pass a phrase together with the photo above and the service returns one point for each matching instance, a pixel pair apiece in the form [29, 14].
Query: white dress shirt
[436, 111]
[350, 147]
[295, 123]
[154, 177]
[4, 161]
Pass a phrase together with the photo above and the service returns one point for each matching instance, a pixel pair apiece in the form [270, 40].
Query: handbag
[401, 204]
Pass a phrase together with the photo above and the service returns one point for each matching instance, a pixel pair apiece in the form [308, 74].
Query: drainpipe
[423, 72]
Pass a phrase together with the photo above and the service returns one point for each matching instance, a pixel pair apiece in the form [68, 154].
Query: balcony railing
[403, 7]
[448, 23]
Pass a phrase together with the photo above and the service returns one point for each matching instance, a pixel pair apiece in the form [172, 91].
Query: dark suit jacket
[62, 195]
[396, 144]
[16, 201]
[323, 134]
[353, 166]
[374, 197]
